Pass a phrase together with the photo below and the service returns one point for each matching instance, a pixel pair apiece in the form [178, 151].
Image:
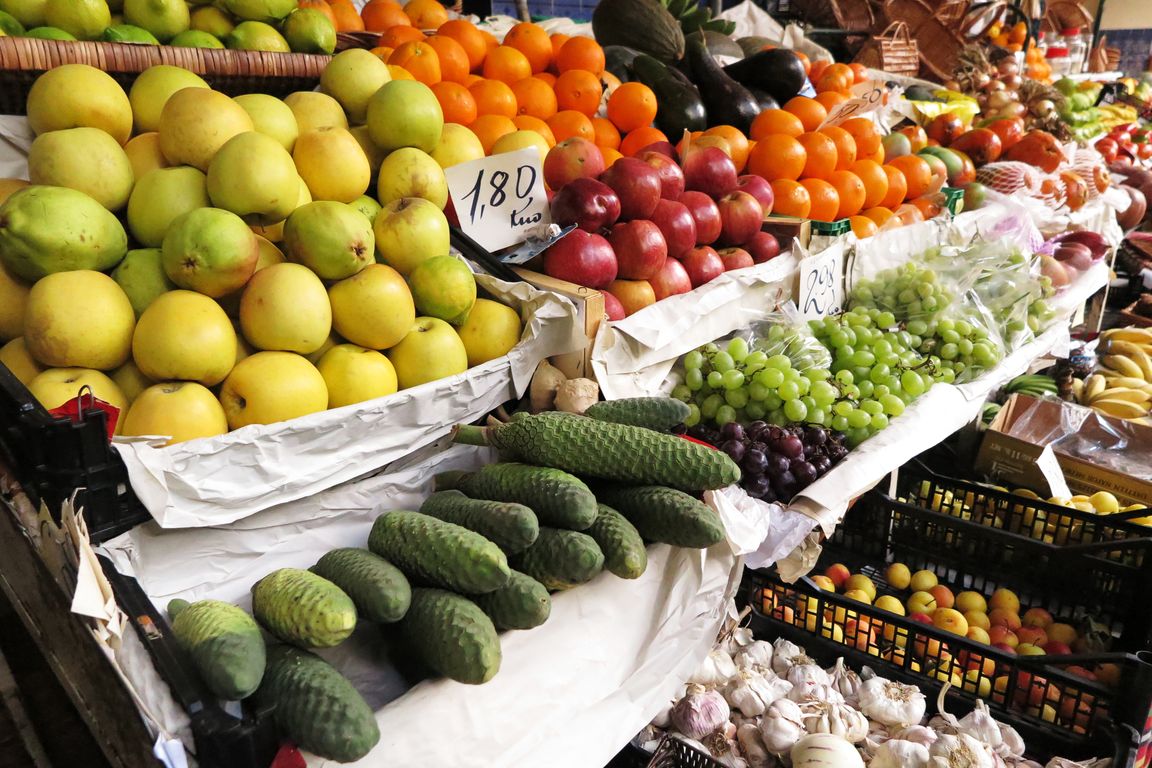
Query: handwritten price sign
[821, 284]
[500, 199]
[867, 97]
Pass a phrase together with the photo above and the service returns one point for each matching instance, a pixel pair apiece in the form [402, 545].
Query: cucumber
[560, 500]
[433, 552]
[561, 559]
[378, 588]
[225, 645]
[522, 604]
[302, 608]
[623, 548]
[452, 635]
[512, 527]
[658, 413]
[667, 515]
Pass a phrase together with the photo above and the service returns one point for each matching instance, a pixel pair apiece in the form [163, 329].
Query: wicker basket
[1062, 14]
[854, 15]
[893, 50]
[23, 59]
[366, 40]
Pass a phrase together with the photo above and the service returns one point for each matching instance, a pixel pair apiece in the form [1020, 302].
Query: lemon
[212, 20]
[309, 31]
[9, 25]
[30, 13]
[163, 18]
[127, 33]
[1104, 503]
[49, 33]
[257, 36]
[194, 38]
[259, 10]
[84, 19]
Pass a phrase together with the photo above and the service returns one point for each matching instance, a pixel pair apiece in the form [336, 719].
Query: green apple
[373, 308]
[131, 381]
[489, 331]
[19, 360]
[355, 374]
[285, 307]
[410, 172]
[56, 386]
[152, 89]
[187, 336]
[254, 177]
[211, 251]
[405, 113]
[142, 278]
[272, 386]
[79, 319]
[351, 77]
[271, 117]
[432, 350]
[408, 231]
[443, 287]
[332, 239]
[180, 410]
[160, 197]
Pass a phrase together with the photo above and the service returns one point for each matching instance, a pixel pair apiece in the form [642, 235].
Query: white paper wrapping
[216, 481]
[15, 140]
[568, 694]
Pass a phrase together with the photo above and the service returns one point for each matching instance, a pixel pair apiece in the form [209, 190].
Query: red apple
[589, 204]
[573, 158]
[709, 170]
[741, 216]
[634, 295]
[663, 147]
[923, 618]
[677, 226]
[1005, 648]
[640, 249]
[670, 280]
[702, 265]
[838, 573]
[999, 634]
[1032, 636]
[1080, 671]
[613, 309]
[671, 176]
[1056, 648]
[637, 184]
[759, 188]
[583, 258]
[705, 214]
[450, 214]
[763, 246]
[735, 258]
[1036, 617]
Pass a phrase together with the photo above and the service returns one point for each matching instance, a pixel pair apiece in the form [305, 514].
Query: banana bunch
[1119, 113]
[1033, 384]
[1122, 387]
[694, 15]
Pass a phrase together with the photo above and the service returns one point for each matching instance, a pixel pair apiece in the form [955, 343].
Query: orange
[865, 134]
[568, 123]
[580, 90]
[490, 39]
[471, 80]
[347, 17]
[791, 198]
[810, 111]
[845, 146]
[532, 41]
[420, 59]
[470, 38]
[875, 181]
[817, 68]
[580, 53]
[380, 15]
[851, 191]
[632, 106]
[557, 39]
[529, 123]
[638, 139]
[833, 82]
[489, 128]
[535, 97]
[841, 70]
[829, 99]
[606, 133]
[821, 155]
[610, 156]
[426, 14]
[862, 226]
[804, 61]
[775, 121]
[324, 8]
[878, 215]
[494, 98]
[825, 200]
[456, 101]
[547, 77]
[897, 188]
[396, 36]
[738, 148]
[917, 173]
[859, 73]
[382, 52]
[399, 73]
[506, 64]
[777, 156]
[916, 135]
[610, 82]
[453, 58]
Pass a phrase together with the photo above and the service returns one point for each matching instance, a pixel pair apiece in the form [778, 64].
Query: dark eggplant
[618, 60]
[777, 71]
[726, 101]
[764, 99]
[679, 106]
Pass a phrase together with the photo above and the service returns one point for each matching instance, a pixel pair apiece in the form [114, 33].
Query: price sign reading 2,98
[821, 290]
[500, 200]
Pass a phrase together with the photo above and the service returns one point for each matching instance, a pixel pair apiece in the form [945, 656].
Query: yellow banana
[1093, 386]
[1078, 390]
[1121, 409]
[1141, 358]
[1121, 347]
[1124, 365]
[1121, 393]
[1138, 335]
[1129, 382]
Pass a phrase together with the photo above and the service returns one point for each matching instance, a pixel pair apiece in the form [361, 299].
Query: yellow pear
[152, 89]
[13, 300]
[316, 110]
[271, 117]
[195, 123]
[79, 319]
[332, 164]
[351, 77]
[74, 95]
[144, 154]
[19, 360]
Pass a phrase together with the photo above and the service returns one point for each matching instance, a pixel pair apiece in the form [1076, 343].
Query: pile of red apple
[649, 227]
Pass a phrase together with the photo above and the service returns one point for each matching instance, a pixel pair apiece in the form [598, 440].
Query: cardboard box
[1007, 455]
[788, 228]
[589, 312]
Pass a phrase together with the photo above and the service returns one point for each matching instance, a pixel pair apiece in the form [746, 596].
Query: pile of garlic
[754, 704]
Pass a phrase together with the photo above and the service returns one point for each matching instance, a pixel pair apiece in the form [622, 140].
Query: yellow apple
[408, 231]
[19, 360]
[180, 410]
[823, 582]
[332, 164]
[160, 197]
[285, 307]
[898, 576]
[517, 140]
[457, 145]
[355, 374]
[144, 154]
[314, 110]
[978, 619]
[86, 159]
[432, 350]
[332, 340]
[863, 583]
[1006, 599]
[971, 601]
[922, 581]
[196, 122]
[352, 77]
[271, 117]
[13, 301]
[187, 336]
[373, 308]
[921, 602]
[272, 386]
[891, 604]
[1058, 632]
[79, 319]
[858, 595]
[254, 177]
[56, 386]
[410, 172]
[131, 381]
[979, 634]
[950, 620]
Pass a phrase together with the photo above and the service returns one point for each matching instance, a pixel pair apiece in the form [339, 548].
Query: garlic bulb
[845, 681]
[752, 745]
[823, 750]
[919, 734]
[784, 654]
[807, 679]
[1011, 742]
[980, 725]
[752, 693]
[836, 718]
[716, 670]
[810, 691]
[740, 638]
[757, 655]
[890, 702]
[897, 753]
[959, 751]
[700, 713]
[782, 726]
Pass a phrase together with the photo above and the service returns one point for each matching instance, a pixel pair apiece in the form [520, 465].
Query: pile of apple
[649, 227]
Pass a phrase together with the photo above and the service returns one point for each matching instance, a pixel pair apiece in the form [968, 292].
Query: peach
[889, 603]
[839, 574]
[1001, 634]
[1062, 633]
[1032, 635]
[950, 620]
[898, 576]
[862, 583]
[979, 634]
[824, 583]
[978, 681]
[922, 581]
[921, 602]
[1004, 617]
[858, 595]
[943, 595]
[977, 619]
[1036, 617]
[1005, 598]
[971, 601]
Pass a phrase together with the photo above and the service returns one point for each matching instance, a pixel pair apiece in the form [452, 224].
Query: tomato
[1108, 148]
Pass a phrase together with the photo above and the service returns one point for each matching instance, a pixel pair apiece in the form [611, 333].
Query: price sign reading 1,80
[500, 200]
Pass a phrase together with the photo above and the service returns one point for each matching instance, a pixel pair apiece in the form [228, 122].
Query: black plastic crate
[1073, 563]
[670, 753]
[54, 457]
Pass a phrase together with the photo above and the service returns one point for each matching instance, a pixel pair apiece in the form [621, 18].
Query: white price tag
[867, 97]
[1049, 466]
[821, 284]
[500, 200]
